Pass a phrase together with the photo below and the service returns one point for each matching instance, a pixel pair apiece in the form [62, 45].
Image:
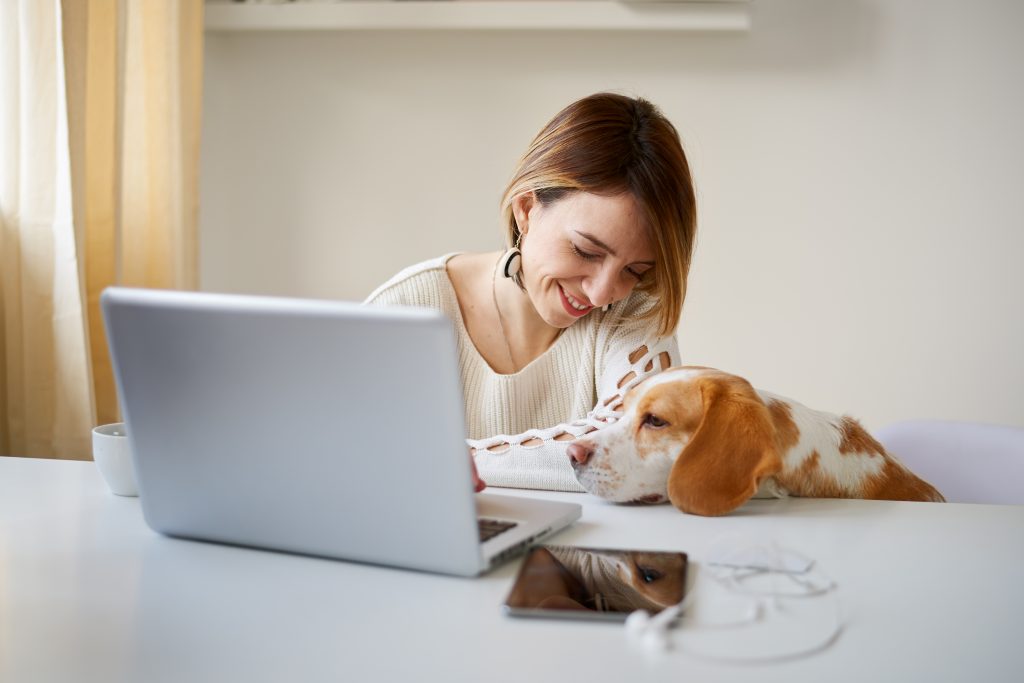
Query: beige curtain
[100, 154]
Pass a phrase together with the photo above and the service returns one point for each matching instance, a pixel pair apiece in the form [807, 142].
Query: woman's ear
[731, 451]
[522, 204]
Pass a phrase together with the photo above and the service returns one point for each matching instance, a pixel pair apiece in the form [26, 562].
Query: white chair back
[967, 462]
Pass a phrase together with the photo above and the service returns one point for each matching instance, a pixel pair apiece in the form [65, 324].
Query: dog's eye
[648, 575]
[654, 421]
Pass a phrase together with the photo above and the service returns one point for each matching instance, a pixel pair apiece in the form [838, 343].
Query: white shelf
[576, 15]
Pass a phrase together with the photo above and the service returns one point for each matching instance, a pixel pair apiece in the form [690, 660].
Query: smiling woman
[600, 224]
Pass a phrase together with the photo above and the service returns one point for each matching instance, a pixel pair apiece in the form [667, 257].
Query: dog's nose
[580, 452]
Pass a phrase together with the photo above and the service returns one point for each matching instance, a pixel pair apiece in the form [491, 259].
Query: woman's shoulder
[629, 345]
[636, 304]
[427, 277]
[633, 313]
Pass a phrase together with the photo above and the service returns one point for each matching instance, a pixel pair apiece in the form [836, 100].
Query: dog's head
[698, 437]
[626, 580]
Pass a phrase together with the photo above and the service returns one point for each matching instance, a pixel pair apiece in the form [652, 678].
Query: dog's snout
[580, 452]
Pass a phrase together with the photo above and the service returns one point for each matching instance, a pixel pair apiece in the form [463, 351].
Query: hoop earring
[511, 262]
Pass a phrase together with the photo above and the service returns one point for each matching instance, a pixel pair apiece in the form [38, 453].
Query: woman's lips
[574, 312]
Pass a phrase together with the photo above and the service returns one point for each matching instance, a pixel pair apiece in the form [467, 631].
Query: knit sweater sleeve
[626, 352]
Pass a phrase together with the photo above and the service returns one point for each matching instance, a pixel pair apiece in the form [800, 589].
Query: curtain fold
[118, 150]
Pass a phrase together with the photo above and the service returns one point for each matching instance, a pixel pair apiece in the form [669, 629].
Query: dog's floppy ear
[732, 449]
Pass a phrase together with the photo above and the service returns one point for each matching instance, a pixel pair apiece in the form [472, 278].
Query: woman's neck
[528, 334]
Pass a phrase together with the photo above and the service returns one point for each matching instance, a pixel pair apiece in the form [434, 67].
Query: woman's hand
[478, 483]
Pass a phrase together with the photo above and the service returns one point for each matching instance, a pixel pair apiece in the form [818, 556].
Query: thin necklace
[501, 321]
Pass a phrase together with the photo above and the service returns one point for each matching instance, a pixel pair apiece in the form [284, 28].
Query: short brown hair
[608, 144]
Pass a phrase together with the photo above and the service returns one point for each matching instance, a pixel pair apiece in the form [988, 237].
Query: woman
[600, 220]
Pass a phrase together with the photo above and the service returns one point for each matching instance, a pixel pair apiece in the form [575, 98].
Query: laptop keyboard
[489, 528]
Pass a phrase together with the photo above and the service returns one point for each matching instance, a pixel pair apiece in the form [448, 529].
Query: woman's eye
[654, 421]
[582, 254]
[587, 256]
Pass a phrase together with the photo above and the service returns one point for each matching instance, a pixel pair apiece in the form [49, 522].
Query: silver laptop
[323, 428]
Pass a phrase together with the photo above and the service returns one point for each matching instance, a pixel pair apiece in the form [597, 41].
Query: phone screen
[596, 583]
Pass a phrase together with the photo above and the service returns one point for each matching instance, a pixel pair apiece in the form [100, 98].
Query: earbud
[637, 622]
[652, 632]
[655, 641]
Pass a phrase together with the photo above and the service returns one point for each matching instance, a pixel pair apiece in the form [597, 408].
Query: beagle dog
[708, 442]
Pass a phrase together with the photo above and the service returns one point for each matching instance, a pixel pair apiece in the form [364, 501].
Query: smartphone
[602, 584]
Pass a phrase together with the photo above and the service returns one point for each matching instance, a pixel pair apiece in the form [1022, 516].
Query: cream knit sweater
[572, 388]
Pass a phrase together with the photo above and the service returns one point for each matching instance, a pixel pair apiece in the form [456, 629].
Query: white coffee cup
[113, 455]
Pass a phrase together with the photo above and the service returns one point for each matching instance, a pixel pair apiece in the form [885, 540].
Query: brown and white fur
[708, 442]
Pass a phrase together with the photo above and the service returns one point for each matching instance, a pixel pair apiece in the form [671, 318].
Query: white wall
[860, 170]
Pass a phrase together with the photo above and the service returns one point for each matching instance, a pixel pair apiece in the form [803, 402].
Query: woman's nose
[602, 287]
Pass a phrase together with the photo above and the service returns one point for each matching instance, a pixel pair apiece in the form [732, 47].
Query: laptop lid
[324, 428]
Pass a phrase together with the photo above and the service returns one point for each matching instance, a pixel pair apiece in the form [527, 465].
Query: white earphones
[768, 605]
[652, 632]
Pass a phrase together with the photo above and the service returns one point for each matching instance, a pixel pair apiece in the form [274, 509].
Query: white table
[88, 593]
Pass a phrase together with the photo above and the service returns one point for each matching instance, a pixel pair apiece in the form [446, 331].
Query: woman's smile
[572, 305]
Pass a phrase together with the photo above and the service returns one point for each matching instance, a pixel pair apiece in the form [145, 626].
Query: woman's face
[581, 252]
